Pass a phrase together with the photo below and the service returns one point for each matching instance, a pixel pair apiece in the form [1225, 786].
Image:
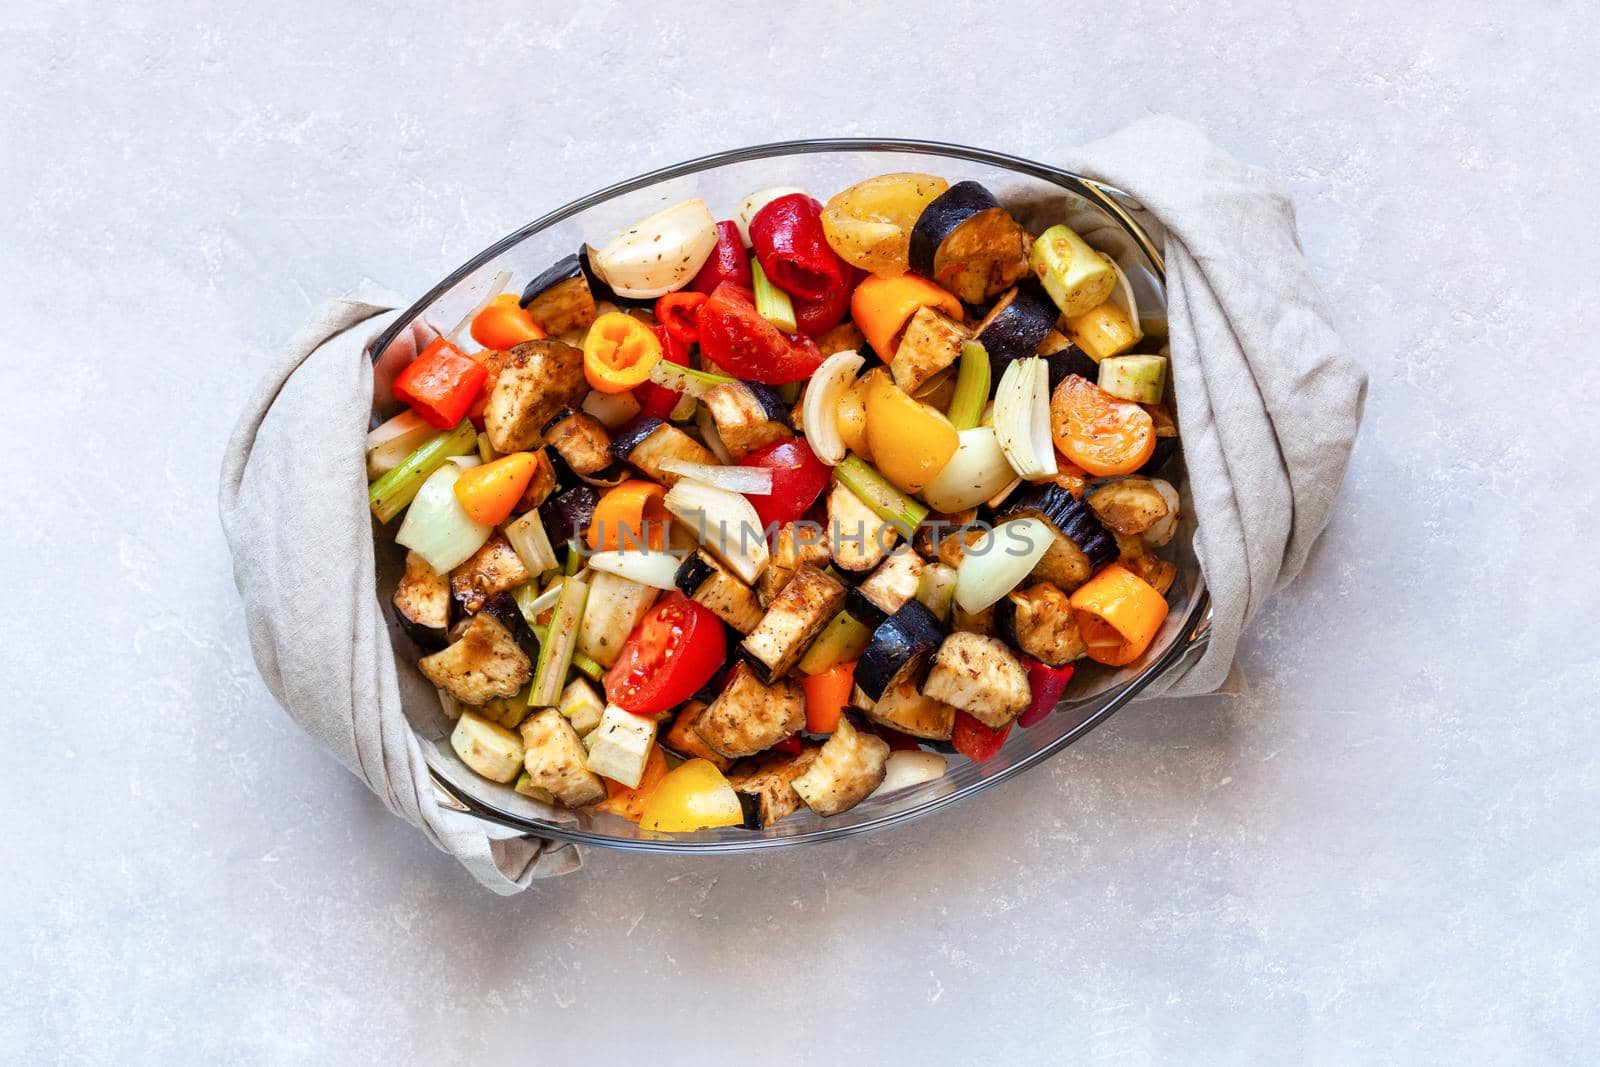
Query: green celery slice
[389, 495]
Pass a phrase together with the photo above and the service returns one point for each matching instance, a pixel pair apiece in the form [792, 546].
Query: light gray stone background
[1388, 850]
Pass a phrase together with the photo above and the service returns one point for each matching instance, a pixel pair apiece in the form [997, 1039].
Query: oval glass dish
[1038, 195]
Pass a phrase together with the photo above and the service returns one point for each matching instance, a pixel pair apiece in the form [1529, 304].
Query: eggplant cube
[422, 602]
[538, 379]
[554, 758]
[799, 613]
[847, 769]
[894, 582]
[980, 676]
[793, 545]
[705, 581]
[484, 663]
[683, 740]
[493, 569]
[581, 706]
[620, 745]
[748, 716]
[748, 416]
[769, 779]
[931, 343]
[487, 747]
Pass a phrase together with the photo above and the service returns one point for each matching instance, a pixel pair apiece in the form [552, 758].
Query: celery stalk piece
[686, 380]
[389, 495]
[844, 638]
[588, 666]
[972, 387]
[887, 502]
[574, 559]
[772, 303]
[558, 644]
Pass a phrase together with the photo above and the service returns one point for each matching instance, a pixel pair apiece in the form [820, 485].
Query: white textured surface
[1389, 848]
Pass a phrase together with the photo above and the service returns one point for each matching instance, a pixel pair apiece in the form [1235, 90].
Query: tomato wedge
[736, 338]
[657, 401]
[1103, 435]
[798, 478]
[669, 656]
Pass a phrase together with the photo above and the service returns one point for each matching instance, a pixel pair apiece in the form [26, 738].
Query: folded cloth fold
[295, 514]
[1268, 403]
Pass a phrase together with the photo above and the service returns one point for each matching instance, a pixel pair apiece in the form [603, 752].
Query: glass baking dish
[1038, 195]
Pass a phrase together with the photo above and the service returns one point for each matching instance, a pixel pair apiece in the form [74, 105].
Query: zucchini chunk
[540, 486]
[581, 706]
[585, 446]
[560, 299]
[1104, 331]
[652, 442]
[848, 767]
[860, 540]
[769, 779]
[1076, 276]
[748, 716]
[748, 415]
[791, 546]
[538, 379]
[909, 710]
[422, 602]
[493, 569]
[705, 581]
[1128, 506]
[969, 244]
[1081, 545]
[888, 588]
[682, 739]
[615, 606]
[899, 649]
[795, 618]
[620, 746]
[555, 760]
[487, 747]
[931, 343]
[1017, 326]
[1038, 620]
[980, 676]
[483, 663]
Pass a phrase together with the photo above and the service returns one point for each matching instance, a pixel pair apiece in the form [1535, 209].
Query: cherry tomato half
[668, 657]
[735, 337]
[798, 478]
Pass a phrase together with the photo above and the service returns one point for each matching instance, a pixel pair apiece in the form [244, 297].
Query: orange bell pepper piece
[489, 491]
[633, 512]
[629, 803]
[827, 695]
[1118, 614]
[504, 325]
[881, 307]
[619, 352]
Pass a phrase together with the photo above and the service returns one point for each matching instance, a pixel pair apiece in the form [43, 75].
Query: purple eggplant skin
[632, 435]
[425, 637]
[568, 514]
[941, 217]
[503, 607]
[770, 402]
[564, 269]
[750, 808]
[1071, 518]
[1016, 331]
[908, 637]
[864, 610]
[1166, 448]
[1068, 361]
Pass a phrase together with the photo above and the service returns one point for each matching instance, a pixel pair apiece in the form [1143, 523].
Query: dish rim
[1192, 634]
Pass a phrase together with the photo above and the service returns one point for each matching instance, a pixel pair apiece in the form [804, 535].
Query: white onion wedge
[733, 479]
[757, 200]
[437, 528]
[611, 409]
[1022, 418]
[390, 444]
[658, 570]
[664, 252]
[1124, 298]
[976, 472]
[907, 768]
[999, 562]
[725, 523]
[818, 414]
[1162, 531]
[531, 542]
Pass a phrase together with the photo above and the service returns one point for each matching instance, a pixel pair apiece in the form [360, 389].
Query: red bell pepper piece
[441, 384]
[794, 251]
[789, 746]
[898, 742]
[680, 313]
[1047, 684]
[657, 401]
[976, 741]
[729, 262]
[816, 317]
